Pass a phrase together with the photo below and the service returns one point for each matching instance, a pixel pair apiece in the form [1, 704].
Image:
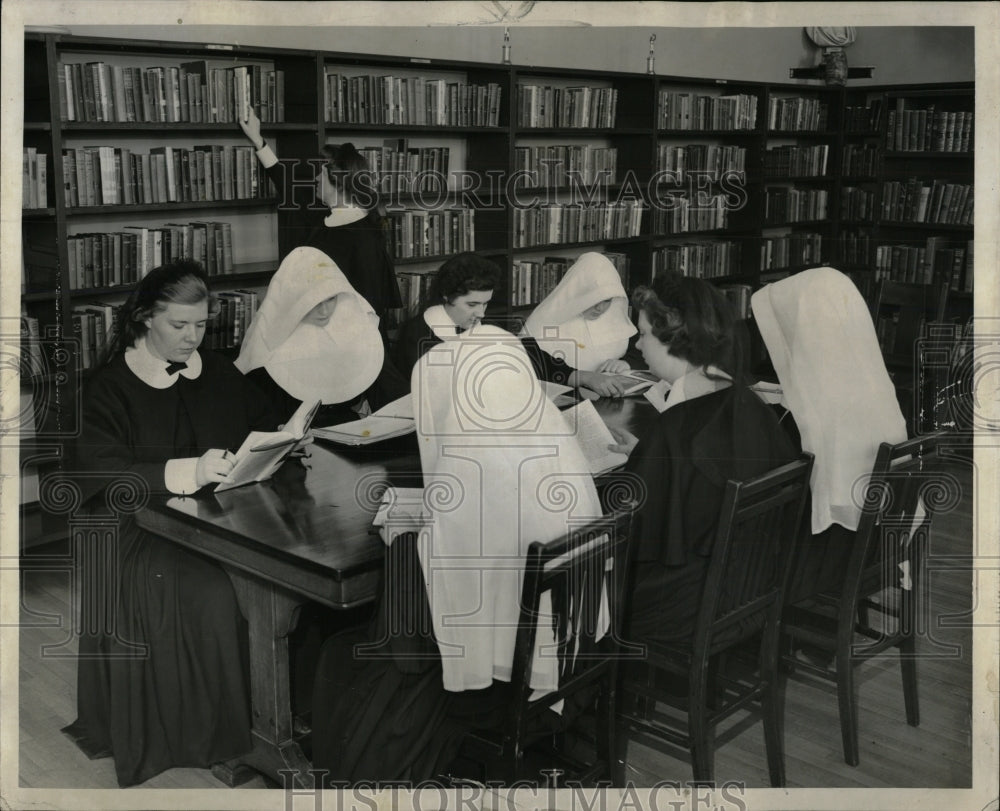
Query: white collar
[440, 322]
[152, 370]
[344, 215]
[695, 383]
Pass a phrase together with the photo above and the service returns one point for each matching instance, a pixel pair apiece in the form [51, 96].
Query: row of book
[885, 331]
[783, 205]
[557, 224]
[715, 159]
[791, 250]
[554, 165]
[738, 295]
[928, 130]
[571, 107]
[108, 176]
[687, 111]
[863, 119]
[387, 99]
[937, 201]
[703, 260]
[856, 203]
[799, 161]
[123, 257]
[931, 263]
[397, 167]
[532, 280]
[796, 115]
[194, 92]
[34, 178]
[686, 214]
[414, 289]
[860, 160]
[417, 232]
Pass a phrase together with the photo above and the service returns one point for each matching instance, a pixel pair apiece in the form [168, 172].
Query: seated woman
[459, 294]
[819, 334]
[589, 308]
[439, 660]
[315, 338]
[711, 428]
[166, 684]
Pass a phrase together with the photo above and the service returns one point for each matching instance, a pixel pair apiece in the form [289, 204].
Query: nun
[589, 307]
[316, 338]
[498, 463]
[841, 406]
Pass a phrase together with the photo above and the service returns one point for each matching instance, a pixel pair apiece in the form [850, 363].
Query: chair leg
[848, 707]
[606, 744]
[702, 743]
[771, 711]
[908, 666]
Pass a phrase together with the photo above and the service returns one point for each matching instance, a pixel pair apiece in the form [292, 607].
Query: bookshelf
[738, 182]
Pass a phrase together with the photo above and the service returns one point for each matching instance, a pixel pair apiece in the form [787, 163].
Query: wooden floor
[937, 754]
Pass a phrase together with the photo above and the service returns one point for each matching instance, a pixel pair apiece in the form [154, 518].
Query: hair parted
[180, 282]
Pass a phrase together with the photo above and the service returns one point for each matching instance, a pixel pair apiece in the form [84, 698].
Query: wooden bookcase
[758, 147]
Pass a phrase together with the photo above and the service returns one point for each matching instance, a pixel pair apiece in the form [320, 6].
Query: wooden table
[305, 535]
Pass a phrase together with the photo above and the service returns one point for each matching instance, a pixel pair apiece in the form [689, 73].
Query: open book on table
[594, 437]
[641, 380]
[394, 419]
[262, 452]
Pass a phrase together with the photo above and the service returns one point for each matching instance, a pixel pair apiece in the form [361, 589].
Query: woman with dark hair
[458, 298]
[711, 428]
[165, 682]
[346, 225]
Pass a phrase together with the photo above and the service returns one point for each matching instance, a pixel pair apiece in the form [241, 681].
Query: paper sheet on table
[770, 393]
[401, 511]
[594, 437]
[392, 420]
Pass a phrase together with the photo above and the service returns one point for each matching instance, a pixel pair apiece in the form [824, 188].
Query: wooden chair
[574, 570]
[888, 556]
[741, 599]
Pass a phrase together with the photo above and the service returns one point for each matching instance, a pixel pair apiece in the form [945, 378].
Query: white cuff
[266, 156]
[180, 475]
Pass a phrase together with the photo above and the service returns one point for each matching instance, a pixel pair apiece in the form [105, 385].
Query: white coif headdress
[334, 363]
[822, 342]
[501, 469]
[558, 323]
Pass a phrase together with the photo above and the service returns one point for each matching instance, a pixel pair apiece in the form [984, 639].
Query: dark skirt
[380, 710]
[170, 686]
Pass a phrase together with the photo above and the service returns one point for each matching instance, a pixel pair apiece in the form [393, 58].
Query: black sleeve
[411, 342]
[546, 367]
[388, 386]
[269, 403]
[104, 444]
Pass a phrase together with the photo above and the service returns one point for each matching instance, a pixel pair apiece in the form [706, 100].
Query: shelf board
[799, 179]
[519, 131]
[925, 226]
[928, 154]
[224, 127]
[47, 295]
[728, 232]
[790, 223]
[555, 246]
[246, 272]
[87, 211]
[37, 213]
[37, 126]
[802, 134]
[862, 134]
[848, 179]
[675, 133]
[440, 130]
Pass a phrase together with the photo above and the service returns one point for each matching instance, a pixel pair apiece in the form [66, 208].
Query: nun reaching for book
[584, 320]
[316, 338]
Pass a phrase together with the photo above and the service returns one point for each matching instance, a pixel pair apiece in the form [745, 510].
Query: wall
[900, 54]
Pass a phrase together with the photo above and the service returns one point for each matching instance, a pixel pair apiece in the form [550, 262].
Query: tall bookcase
[739, 182]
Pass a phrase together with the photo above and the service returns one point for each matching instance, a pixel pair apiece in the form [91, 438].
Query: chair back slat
[757, 530]
[580, 572]
[892, 535]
